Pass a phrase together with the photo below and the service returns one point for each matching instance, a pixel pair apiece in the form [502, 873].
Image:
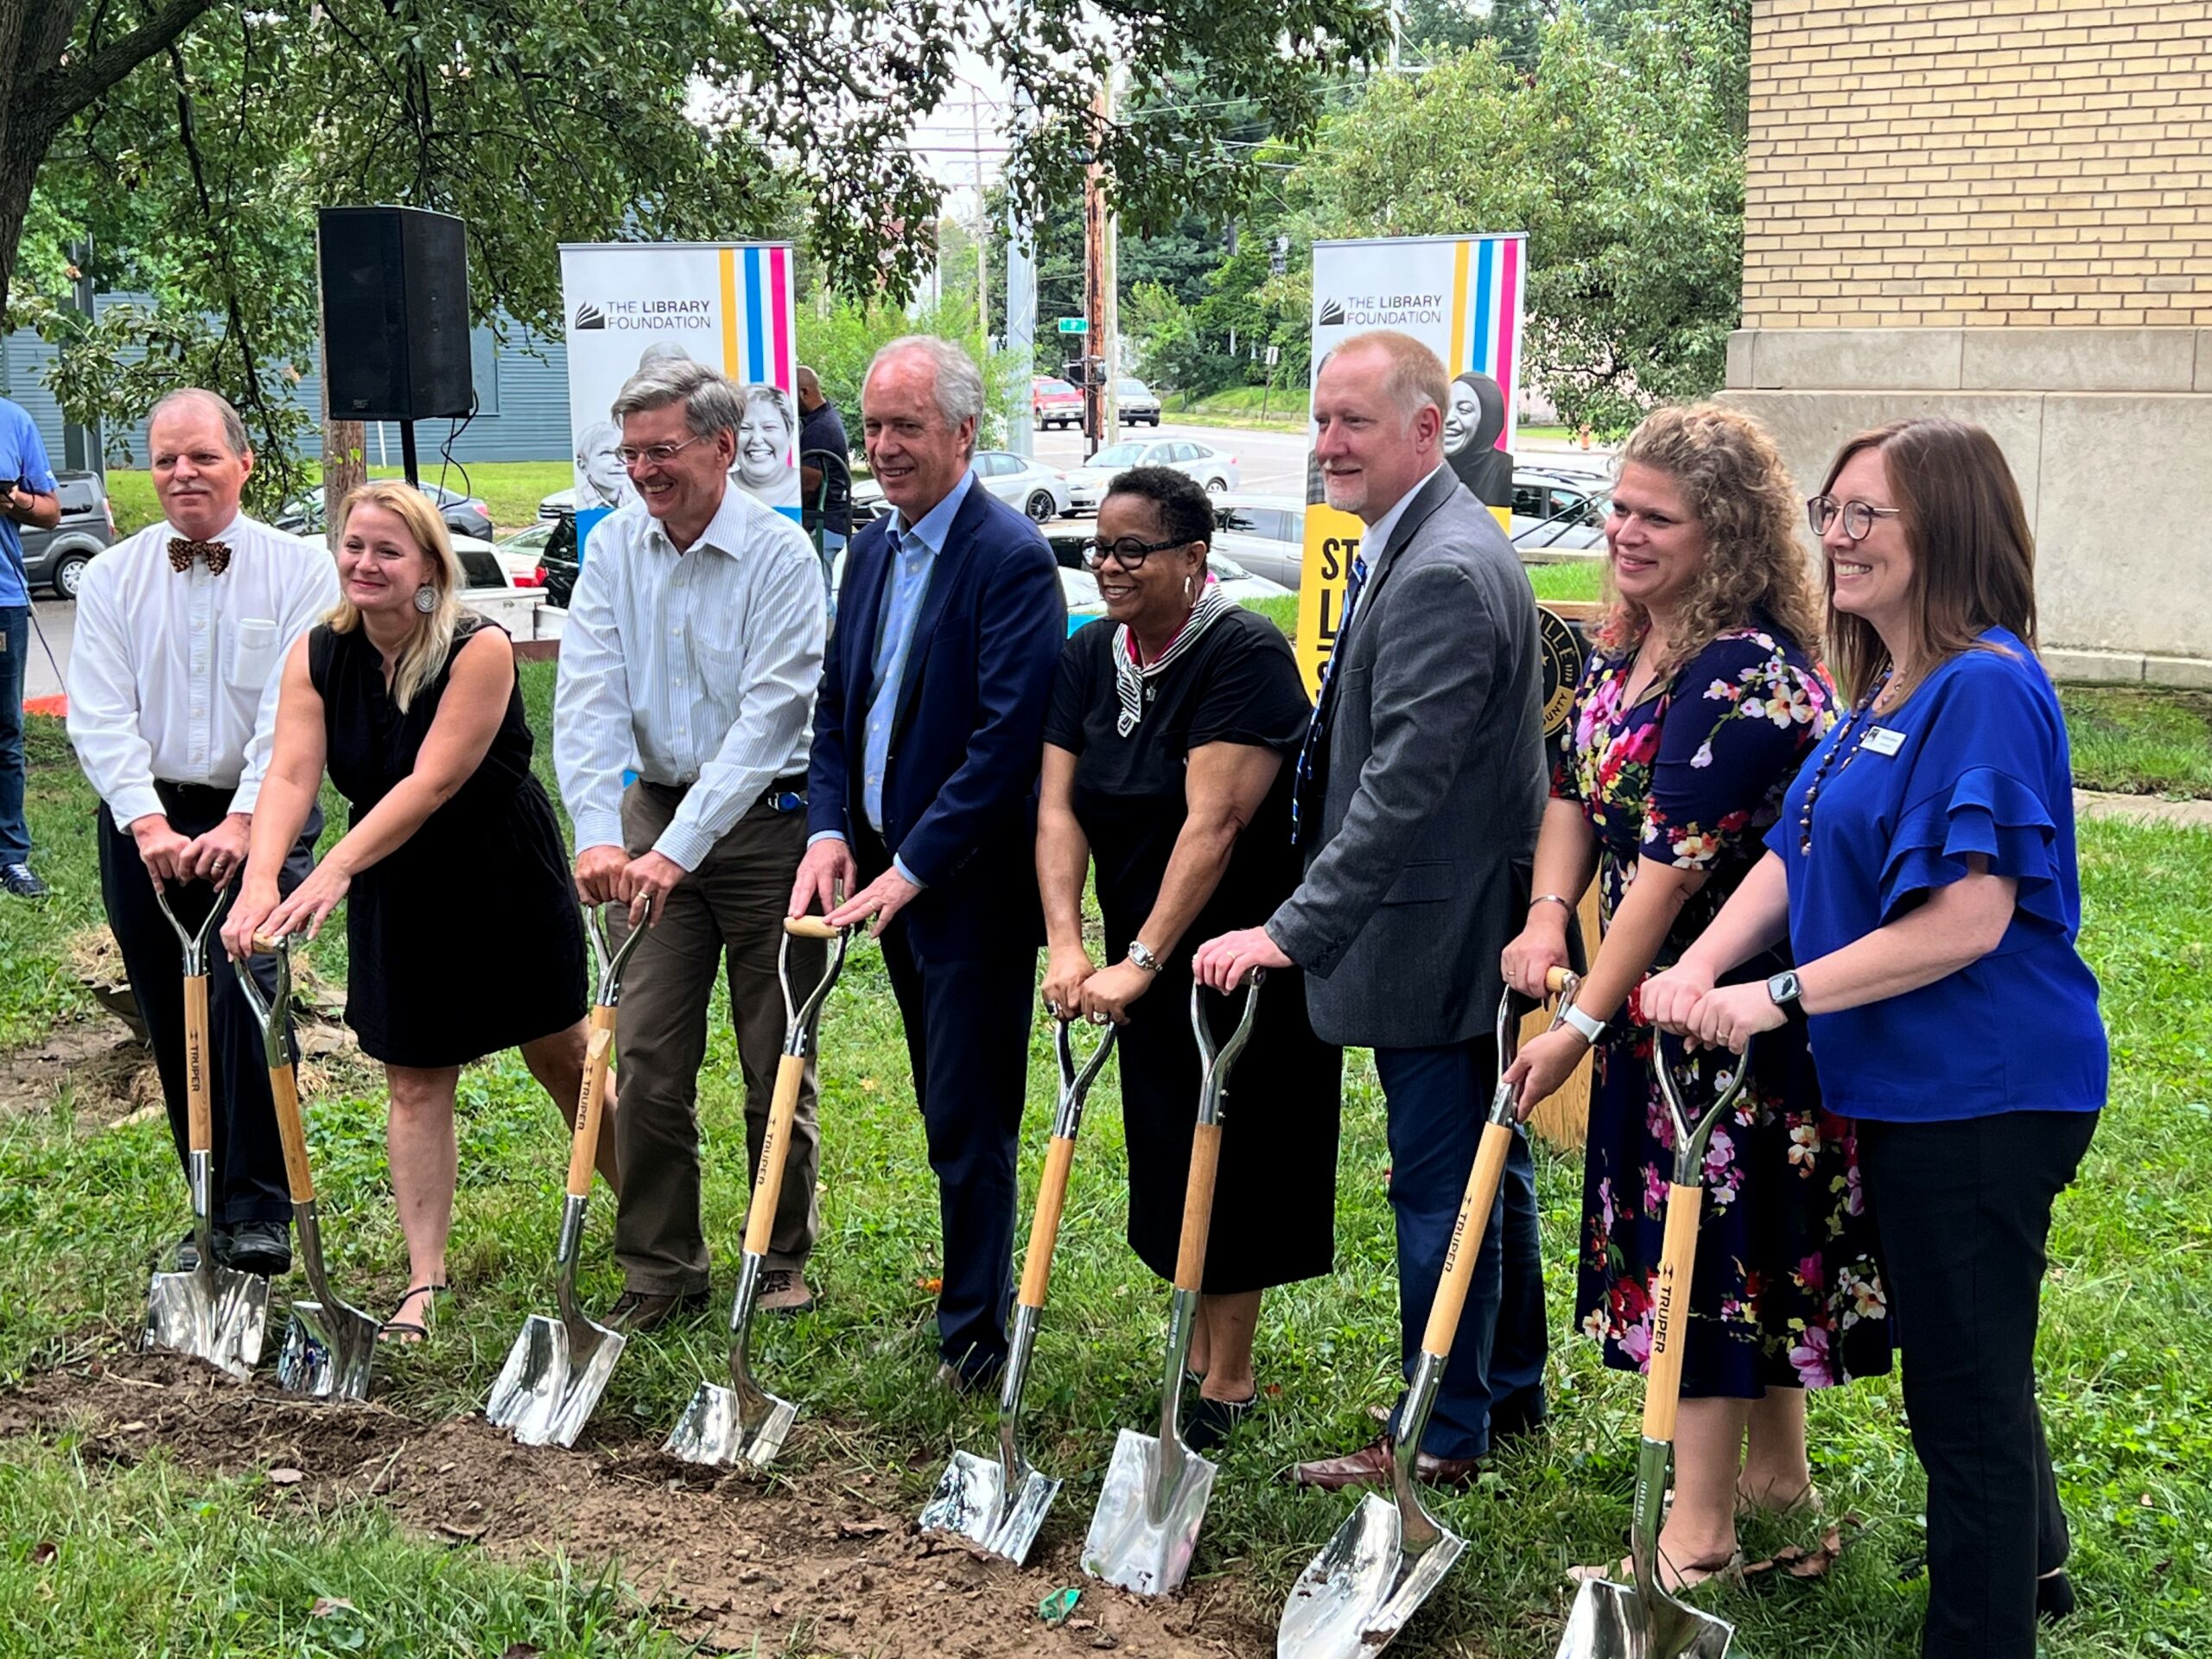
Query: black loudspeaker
[395, 314]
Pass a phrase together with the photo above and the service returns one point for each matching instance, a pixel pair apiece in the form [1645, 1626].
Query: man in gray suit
[1420, 790]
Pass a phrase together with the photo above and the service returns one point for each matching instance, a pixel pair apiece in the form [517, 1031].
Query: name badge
[1883, 741]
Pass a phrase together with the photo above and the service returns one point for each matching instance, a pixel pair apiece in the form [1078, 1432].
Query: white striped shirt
[703, 664]
[174, 674]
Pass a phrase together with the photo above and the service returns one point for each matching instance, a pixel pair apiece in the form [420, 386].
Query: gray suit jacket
[1434, 790]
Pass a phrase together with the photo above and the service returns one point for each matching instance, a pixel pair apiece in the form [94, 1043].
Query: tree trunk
[345, 468]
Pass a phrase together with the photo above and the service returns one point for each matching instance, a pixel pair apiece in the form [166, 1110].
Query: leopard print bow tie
[182, 553]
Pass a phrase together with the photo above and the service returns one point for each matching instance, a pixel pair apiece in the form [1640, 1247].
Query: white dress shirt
[703, 664]
[174, 674]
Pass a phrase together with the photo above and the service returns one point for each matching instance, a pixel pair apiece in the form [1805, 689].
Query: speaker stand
[407, 455]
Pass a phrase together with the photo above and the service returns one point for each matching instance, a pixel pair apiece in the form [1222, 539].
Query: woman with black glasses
[1923, 871]
[1168, 769]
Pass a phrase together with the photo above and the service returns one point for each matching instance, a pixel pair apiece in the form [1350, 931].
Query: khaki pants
[730, 908]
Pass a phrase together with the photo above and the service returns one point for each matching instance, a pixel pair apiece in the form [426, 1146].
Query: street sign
[1275, 355]
[1075, 325]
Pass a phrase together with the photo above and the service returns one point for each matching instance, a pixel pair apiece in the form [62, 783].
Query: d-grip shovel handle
[1670, 1285]
[1059, 1155]
[768, 1179]
[1205, 1134]
[1483, 1182]
[198, 1117]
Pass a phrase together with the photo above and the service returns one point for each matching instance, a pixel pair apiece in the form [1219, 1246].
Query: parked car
[561, 501]
[1136, 404]
[1216, 470]
[556, 563]
[1080, 587]
[56, 558]
[1039, 491]
[524, 553]
[1054, 403]
[482, 565]
[1558, 510]
[1266, 534]
[464, 515]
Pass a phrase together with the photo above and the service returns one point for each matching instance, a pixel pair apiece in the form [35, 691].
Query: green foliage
[843, 334]
[2140, 742]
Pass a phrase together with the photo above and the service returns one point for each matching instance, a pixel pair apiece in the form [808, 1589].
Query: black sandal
[1212, 1422]
[410, 1331]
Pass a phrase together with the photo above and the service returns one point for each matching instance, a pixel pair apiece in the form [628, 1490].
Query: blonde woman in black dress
[463, 938]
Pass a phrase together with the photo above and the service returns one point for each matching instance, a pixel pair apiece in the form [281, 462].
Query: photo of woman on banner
[763, 469]
[1472, 426]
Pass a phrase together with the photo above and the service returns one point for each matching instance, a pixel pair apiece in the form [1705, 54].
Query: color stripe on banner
[729, 312]
[756, 342]
[1486, 308]
[1509, 307]
[1459, 356]
[780, 302]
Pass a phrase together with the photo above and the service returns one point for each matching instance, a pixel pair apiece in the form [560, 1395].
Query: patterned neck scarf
[1129, 675]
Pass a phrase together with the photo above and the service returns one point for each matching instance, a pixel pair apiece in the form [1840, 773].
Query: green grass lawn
[511, 489]
[2140, 742]
[156, 1559]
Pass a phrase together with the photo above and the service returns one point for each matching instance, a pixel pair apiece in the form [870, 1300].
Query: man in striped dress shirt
[693, 643]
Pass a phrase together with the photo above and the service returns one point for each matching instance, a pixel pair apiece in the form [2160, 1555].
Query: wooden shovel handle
[768, 1180]
[809, 927]
[199, 1121]
[283, 1084]
[1670, 1305]
[1198, 1207]
[583, 1142]
[1466, 1243]
[1044, 1226]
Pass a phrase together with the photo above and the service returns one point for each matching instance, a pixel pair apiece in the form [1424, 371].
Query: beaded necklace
[1821, 771]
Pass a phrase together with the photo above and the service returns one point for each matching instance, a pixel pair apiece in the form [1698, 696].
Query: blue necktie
[1309, 751]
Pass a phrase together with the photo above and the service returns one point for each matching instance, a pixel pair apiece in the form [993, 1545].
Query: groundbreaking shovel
[744, 1423]
[558, 1369]
[328, 1345]
[1614, 1621]
[1383, 1561]
[999, 1503]
[217, 1314]
[1146, 1522]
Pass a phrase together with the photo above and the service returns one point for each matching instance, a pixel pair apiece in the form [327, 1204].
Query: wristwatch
[1142, 954]
[1591, 1029]
[1785, 990]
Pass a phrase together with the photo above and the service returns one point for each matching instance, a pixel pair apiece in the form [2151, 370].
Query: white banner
[729, 305]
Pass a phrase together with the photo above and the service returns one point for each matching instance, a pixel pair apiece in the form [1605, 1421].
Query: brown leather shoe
[1370, 1467]
[638, 1311]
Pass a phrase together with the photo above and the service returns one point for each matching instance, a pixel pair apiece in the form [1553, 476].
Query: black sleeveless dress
[467, 940]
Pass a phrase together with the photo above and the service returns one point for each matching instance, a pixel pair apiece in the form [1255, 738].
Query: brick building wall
[2020, 164]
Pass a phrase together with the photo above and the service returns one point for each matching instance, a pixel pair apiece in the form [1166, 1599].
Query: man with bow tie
[181, 632]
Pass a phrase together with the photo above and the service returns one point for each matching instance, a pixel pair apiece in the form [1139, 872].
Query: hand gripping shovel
[328, 1345]
[558, 1369]
[1146, 1522]
[1391, 1552]
[1613, 1621]
[744, 1423]
[215, 1314]
[999, 1503]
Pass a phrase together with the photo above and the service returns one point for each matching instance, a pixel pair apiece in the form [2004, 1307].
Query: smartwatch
[1785, 991]
[1591, 1030]
[1142, 954]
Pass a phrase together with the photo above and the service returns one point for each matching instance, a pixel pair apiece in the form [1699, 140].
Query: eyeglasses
[1857, 517]
[1129, 553]
[659, 455]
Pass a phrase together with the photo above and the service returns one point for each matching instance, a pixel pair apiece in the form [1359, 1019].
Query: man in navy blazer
[921, 801]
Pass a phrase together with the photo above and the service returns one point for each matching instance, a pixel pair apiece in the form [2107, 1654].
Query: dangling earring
[1187, 589]
[426, 599]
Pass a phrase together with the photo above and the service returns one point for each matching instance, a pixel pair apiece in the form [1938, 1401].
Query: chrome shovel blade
[1611, 1621]
[217, 1314]
[1127, 1545]
[971, 1503]
[1358, 1593]
[717, 1428]
[552, 1380]
[328, 1351]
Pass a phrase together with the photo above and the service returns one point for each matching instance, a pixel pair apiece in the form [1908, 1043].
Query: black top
[825, 429]
[465, 939]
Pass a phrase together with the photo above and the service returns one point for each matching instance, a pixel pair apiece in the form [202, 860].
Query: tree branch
[50, 101]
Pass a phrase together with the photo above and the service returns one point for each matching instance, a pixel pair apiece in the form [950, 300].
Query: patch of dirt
[111, 1075]
[810, 1562]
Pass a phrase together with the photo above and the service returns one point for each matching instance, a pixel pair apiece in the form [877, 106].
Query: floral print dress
[1786, 1291]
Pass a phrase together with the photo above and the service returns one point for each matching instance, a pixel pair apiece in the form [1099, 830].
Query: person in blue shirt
[1924, 869]
[27, 478]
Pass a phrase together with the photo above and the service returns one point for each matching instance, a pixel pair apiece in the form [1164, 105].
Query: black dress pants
[1963, 1210]
[248, 1180]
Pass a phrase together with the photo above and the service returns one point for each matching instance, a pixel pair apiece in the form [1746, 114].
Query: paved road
[56, 619]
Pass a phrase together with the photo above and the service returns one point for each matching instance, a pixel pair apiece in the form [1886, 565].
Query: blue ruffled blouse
[1975, 761]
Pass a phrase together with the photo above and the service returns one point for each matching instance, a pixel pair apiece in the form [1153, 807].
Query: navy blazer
[960, 781]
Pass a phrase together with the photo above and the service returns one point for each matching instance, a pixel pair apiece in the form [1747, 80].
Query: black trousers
[1963, 1210]
[248, 1159]
[968, 1026]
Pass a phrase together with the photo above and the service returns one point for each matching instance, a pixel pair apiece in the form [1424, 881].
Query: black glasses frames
[1857, 517]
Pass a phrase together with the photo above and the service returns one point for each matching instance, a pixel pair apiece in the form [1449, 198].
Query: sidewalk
[2142, 808]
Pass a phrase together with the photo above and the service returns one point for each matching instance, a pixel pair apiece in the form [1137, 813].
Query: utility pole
[82, 449]
[982, 223]
[1099, 239]
[1021, 318]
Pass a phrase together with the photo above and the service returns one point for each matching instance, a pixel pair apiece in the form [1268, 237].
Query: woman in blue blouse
[1923, 871]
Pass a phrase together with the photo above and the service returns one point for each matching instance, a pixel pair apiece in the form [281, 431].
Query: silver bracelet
[1559, 898]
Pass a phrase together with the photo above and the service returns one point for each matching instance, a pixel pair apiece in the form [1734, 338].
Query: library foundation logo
[1381, 311]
